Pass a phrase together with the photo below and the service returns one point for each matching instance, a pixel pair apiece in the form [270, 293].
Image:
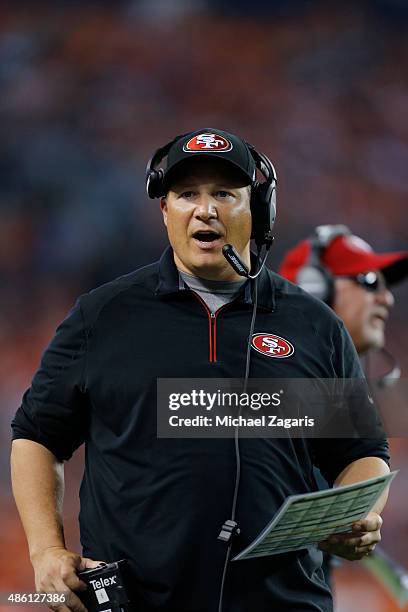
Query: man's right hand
[56, 570]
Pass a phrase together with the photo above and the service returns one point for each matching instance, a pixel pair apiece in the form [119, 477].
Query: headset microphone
[234, 260]
[238, 265]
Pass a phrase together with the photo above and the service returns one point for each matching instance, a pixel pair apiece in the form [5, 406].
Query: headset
[314, 277]
[263, 194]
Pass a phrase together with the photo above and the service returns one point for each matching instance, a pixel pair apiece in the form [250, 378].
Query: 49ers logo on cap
[272, 345]
[207, 142]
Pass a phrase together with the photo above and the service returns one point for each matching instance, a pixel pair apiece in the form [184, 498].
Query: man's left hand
[358, 544]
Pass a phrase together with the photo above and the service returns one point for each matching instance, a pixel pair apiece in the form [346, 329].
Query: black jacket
[161, 502]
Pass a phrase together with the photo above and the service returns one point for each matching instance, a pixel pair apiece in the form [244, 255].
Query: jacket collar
[169, 282]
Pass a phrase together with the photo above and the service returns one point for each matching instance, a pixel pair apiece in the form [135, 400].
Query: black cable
[261, 265]
[224, 574]
[236, 432]
[251, 331]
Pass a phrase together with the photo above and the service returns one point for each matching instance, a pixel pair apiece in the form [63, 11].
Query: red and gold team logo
[207, 142]
[272, 345]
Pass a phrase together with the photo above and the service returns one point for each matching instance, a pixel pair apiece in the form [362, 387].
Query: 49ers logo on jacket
[207, 142]
[272, 345]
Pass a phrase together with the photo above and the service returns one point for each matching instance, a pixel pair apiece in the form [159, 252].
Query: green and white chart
[307, 519]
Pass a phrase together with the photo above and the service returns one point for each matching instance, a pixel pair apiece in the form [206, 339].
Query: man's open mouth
[206, 236]
[377, 318]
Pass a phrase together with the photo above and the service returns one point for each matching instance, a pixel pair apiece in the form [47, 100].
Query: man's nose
[385, 297]
[206, 208]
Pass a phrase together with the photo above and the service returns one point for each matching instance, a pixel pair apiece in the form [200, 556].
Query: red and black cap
[210, 142]
[347, 255]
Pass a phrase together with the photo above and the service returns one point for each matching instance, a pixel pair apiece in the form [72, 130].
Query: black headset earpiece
[154, 183]
[263, 199]
[313, 276]
[155, 177]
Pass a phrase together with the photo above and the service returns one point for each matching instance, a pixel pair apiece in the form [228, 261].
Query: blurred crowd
[90, 89]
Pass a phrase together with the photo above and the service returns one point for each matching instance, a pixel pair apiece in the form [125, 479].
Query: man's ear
[163, 207]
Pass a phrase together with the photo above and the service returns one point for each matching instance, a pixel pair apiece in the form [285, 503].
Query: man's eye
[187, 194]
[224, 194]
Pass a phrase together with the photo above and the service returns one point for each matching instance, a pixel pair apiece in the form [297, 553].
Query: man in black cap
[158, 502]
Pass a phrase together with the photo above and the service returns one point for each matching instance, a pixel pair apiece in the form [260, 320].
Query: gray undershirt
[214, 293]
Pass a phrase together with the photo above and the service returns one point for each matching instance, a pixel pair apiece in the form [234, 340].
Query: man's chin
[212, 267]
[374, 340]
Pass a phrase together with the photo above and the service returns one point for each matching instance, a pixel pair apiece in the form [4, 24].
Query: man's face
[207, 206]
[364, 312]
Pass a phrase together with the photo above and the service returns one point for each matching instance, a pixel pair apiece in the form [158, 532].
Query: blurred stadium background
[90, 89]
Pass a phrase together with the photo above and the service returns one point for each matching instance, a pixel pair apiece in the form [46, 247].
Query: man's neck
[209, 284]
[215, 293]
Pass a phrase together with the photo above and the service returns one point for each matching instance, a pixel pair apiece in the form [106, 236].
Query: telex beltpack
[107, 587]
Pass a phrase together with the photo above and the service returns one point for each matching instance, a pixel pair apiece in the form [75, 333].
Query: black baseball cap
[210, 142]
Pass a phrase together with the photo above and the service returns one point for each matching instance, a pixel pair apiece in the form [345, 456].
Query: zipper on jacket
[213, 335]
[212, 327]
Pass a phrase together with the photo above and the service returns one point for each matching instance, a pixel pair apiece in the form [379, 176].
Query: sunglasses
[371, 281]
